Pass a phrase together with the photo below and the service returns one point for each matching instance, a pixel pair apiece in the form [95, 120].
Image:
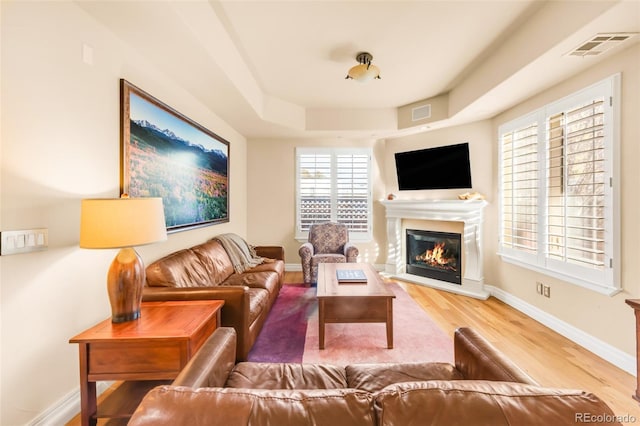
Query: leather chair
[328, 243]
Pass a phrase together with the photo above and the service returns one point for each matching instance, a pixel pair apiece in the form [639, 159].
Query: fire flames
[437, 257]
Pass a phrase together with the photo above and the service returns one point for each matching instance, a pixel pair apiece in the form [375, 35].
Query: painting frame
[165, 154]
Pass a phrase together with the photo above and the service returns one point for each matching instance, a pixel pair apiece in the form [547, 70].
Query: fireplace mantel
[469, 212]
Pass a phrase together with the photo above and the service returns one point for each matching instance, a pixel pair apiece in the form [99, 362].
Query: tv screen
[443, 167]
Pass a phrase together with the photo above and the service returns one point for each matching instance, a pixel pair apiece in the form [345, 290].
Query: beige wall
[271, 175]
[271, 195]
[606, 318]
[59, 144]
[478, 135]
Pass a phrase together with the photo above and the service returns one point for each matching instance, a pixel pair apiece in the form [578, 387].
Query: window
[334, 184]
[557, 189]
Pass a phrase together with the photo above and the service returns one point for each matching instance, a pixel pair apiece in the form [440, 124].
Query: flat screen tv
[443, 167]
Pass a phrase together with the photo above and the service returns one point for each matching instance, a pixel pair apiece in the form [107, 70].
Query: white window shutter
[334, 184]
[576, 186]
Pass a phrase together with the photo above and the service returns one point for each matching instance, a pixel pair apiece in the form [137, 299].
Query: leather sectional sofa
[205, 271]
[481, 388]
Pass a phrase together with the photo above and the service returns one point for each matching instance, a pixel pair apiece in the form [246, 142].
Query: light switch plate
[25, 241]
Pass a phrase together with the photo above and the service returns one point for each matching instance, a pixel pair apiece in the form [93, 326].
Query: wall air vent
[601, 43]
[421, 112]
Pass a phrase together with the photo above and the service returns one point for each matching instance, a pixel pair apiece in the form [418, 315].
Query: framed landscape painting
[165, 154]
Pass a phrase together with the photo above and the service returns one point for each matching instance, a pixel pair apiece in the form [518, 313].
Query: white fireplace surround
[470, 212]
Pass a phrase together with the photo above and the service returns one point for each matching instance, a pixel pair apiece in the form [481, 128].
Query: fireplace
[434, 255]
[468, 212]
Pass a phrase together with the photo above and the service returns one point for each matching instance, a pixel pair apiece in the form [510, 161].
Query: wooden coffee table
[353, 302]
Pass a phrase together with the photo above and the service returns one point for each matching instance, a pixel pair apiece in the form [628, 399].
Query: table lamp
[123, 223]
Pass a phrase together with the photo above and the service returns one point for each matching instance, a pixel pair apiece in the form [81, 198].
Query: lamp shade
[121, 222]
[364, 72]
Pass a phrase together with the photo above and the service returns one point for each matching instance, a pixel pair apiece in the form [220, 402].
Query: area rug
[283, 334]
[290, 334]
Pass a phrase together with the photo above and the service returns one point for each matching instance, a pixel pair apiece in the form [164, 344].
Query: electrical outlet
[546, 290]
[539, 286]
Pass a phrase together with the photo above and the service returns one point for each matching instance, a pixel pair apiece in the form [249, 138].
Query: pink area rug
[284, 331]
[416, 337]
[290, 333]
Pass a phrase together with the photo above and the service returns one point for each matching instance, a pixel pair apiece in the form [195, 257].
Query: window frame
[607, 280]
[303, 235]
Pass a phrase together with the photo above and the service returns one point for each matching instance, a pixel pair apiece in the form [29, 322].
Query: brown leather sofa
[481, 388]
[205, 271]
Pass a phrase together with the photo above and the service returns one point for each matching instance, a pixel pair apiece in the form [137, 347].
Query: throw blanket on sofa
[242, 255]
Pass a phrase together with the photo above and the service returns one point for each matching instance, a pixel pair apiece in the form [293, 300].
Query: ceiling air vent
[600, 43]
[421, 112]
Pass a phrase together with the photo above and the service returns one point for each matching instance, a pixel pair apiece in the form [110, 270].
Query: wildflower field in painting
[191, 180]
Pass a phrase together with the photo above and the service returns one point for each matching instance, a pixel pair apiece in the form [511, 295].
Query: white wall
[60, 143]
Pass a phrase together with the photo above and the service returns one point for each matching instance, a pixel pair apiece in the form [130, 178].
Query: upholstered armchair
[328, 243]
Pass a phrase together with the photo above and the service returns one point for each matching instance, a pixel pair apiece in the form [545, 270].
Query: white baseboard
[66, 408]
[604, 350]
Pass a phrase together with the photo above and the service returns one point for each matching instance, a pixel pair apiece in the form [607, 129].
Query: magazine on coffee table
[351, 276]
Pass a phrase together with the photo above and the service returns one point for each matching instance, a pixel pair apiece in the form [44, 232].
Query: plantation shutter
[576, 186]
[352, 191]
[314, 189]
[334, 184]
[567, 225]
[520, 189]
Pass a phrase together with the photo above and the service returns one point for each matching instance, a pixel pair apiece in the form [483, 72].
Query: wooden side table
[155, 347]
[635, 304]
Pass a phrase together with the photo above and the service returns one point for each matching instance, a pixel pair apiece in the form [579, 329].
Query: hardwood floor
[551, 359]
[545, 355]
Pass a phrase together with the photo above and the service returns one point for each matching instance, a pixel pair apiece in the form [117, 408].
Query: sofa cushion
[266, 280]
[374, 377]
[178, 269]
[176, 405]
[269, 265]
[485, 403]
[286, 376]
[215, 260]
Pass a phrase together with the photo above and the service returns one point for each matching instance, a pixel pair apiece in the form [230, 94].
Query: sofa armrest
[272, 252]
[235, 312]
[477, 359]
[212, 364]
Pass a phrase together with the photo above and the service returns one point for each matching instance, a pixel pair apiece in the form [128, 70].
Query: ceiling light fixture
[364, 71]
